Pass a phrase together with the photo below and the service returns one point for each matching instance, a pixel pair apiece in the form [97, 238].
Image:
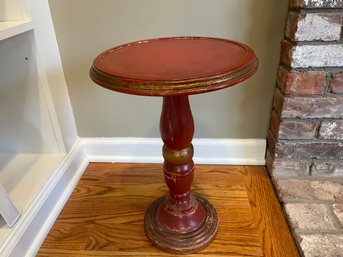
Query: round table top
[174, 66]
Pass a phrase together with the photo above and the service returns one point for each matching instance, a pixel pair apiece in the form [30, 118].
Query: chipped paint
[323, 3]
[331, 130]
[314, 26]
[305, 56]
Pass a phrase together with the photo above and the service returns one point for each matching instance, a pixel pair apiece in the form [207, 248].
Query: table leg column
[179, 222]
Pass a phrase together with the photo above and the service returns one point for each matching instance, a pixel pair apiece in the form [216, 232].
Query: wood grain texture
[275, 237]
[104, 216]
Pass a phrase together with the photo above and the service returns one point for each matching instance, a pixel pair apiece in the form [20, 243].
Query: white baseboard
[28, 235]
[148, 150]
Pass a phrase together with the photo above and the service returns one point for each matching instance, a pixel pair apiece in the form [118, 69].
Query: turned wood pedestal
[180, 222]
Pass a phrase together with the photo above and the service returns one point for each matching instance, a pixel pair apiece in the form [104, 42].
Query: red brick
[321, 245]
[316, 3]
[310, 216]
[271, 144]
[269, 162]
[301, 83]
[291, 25]
[303, 150]
[286, 52]
[275, 124]
[327, 169]
[280, 168]
[308, 107]
[336, 84]
[292, 129]
[302, 189]
[278, 101]
[290, 168]
[331, 129]
[301, 129]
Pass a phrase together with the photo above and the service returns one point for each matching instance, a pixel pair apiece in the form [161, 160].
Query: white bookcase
[38, 139]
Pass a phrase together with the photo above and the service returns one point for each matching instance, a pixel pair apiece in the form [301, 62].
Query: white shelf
[11, 28]
[37, 128]
[24, 176]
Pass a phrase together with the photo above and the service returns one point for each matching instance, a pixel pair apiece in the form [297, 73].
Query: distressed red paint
[174, 66]
[180, 212]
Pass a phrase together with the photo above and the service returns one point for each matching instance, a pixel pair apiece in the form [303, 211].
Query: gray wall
[84, 28]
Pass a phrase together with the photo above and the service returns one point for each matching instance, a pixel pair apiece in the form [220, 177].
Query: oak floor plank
[275, 236]
[72, 236]
[104, 216]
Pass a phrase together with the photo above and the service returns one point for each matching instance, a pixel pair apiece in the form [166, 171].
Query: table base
[174, 241]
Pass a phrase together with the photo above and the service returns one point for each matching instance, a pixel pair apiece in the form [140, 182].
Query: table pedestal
[179, 222]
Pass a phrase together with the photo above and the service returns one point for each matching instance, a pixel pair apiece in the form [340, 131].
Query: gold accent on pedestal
[178, 157]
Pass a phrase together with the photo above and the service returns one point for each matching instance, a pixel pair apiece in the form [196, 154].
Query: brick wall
[305, 139]
[307, 119]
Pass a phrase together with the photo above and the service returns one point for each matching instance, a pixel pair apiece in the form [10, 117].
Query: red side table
[180, 222]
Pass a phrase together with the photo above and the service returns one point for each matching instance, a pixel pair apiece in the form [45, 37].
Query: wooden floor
[104, 216]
